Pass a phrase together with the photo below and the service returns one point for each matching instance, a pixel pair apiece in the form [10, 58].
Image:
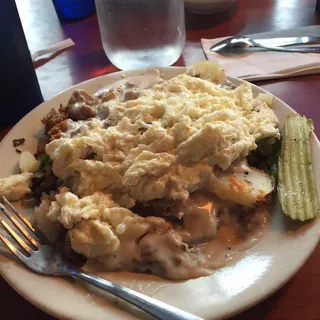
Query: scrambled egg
[163, 144]
[16, 186]
[98, 227]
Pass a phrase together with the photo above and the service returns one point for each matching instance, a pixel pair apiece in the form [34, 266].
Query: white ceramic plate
[256, 273]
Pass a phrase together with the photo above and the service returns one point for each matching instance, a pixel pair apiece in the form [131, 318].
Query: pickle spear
[297, 189]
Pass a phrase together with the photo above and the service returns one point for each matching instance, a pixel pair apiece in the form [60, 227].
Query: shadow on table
[10, 301]
[93, 64]
[262, 310]
[197, 21]
[180, 62]
[3, 131]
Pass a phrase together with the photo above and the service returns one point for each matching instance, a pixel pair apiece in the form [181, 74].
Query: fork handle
[156, 308]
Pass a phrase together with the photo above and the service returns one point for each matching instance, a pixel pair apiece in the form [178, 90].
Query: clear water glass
[142, 33]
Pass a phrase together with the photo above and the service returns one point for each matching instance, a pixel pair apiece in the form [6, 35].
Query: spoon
[242, 42]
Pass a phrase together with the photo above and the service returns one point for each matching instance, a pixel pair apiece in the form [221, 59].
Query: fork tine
[26, 221]
[14, 235]
[13, 249]
[19, 226]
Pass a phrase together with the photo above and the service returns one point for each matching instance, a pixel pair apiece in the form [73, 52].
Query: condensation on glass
[142, 33]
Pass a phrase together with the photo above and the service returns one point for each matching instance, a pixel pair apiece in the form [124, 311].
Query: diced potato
[207, 70]
[245, 185]
[266, 97]
[28, 163]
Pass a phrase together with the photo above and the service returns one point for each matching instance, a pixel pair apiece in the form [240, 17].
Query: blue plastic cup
[74, 9]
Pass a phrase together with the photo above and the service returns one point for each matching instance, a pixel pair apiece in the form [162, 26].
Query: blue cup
[70, 10]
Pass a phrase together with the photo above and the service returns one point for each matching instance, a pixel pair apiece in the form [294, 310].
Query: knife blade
[269, 42]
[287, 41]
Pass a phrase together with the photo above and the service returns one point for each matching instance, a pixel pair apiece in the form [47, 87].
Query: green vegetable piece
[44, 160]
[274, 171]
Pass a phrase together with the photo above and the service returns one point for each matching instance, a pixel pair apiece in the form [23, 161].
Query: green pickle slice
[297, 189]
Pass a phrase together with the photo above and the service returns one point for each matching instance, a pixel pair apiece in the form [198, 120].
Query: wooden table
[299, 299]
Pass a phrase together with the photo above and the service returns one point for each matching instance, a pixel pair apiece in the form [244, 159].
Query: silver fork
[45, 260]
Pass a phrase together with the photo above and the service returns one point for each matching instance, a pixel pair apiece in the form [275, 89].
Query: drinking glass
[141, 33]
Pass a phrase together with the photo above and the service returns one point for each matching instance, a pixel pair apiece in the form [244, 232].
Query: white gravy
[211, 235]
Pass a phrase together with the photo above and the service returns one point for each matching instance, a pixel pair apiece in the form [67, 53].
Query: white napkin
[50, 51]
[261, 65]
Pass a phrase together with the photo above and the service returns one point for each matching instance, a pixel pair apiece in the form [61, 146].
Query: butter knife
[271, 42]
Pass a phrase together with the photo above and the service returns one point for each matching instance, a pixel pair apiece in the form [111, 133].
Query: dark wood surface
[299, 299]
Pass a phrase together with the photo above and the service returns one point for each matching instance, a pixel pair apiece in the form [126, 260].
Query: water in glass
[141, 33]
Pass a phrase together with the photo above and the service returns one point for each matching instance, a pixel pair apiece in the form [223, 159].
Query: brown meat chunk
[82, 112]
[82, 105]
[54, 117]
[131, 95]
[58, 129]
[110, 95]
[81, 95]
[18, 142]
